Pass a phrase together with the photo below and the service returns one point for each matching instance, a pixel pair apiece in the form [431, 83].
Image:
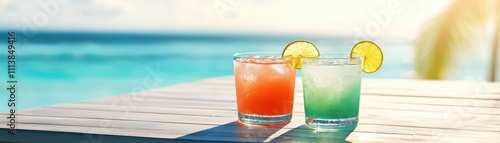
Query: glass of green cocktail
[331, 86]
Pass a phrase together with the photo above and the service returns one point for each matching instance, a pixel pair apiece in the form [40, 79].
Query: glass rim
[260, 57]
[258, 54]
[323, 55]
[335, 55]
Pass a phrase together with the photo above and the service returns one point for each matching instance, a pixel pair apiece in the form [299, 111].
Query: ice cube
[241, 60]
[249, 78]
[251, 59]
[280, 69]
[266, 59]
[274, 59]
[249, 72]
[281, 60]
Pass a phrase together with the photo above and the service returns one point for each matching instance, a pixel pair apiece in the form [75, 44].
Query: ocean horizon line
[114, 37]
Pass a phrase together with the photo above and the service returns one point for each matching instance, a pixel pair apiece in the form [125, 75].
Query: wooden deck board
[391, 111]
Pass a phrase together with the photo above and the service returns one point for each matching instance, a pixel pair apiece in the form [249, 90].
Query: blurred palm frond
[449, 35]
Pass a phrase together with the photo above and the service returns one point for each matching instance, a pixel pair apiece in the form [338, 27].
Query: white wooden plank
[376, 116]
[213, 102]
[230, 130]
[391, 110]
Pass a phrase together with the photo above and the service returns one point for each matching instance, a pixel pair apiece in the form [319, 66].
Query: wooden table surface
[391, 111]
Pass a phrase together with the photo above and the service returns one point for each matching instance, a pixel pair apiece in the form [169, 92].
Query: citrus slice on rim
[373, 57]
[300, 49]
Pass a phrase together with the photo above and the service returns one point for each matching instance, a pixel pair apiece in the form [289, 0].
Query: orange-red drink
[264, 88]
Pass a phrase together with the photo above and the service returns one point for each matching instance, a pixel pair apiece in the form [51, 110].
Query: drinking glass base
[252, 119]
[332, 124]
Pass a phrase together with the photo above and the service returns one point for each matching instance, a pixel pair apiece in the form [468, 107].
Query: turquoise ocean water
[55, 67]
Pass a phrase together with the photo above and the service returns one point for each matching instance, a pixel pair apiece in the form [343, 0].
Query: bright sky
[398, 19]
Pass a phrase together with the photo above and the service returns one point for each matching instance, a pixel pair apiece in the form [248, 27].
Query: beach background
[68, 51]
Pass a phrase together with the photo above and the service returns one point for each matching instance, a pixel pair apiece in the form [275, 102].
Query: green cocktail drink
[327, 103]
[331, 85]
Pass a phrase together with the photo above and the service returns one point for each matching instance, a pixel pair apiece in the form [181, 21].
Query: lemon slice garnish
[300, 49]
[373, 57]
